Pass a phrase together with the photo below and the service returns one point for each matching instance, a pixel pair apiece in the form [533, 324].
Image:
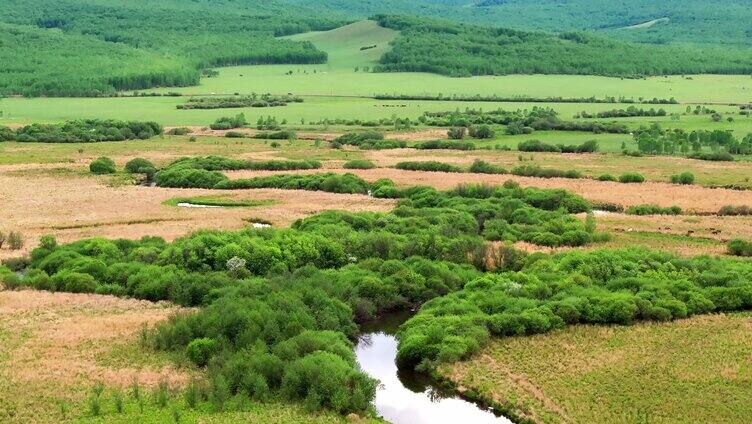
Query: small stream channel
[407, 397]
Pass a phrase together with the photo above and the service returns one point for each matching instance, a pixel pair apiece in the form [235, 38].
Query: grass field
[693, 370]
[57, 346]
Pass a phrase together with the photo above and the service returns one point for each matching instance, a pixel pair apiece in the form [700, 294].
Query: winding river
[405, 397]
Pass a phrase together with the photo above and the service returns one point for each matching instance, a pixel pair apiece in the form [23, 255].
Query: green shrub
[228, 123]
[606, 177]
[445, 145]
[178, 131]
[537, 146]
[140, 166]
[457, 133]
[74, 282]
[359, 164]
[631, 177]
[483, 167]
[738, 247]
[686, 178]
[234, 134]
[720, 156]
[277, 135]
[730, 210]
[481, 132]
[199, 351]
[428, 166]
[102, 165]
[537, 171]
[188, 178]
[653, 210]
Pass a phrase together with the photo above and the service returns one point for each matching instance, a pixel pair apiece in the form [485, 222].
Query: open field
[693, 370]
[56, 346]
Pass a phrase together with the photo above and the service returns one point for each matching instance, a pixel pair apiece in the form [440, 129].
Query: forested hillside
[463, 50]
[117, 45]
[696, 21]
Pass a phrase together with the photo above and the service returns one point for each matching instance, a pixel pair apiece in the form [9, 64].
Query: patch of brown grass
[51, 343]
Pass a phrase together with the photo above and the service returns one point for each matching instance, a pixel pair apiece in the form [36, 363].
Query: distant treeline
[523, 121]
[521, 99]
[460, 50]
[655, 140]
[622, 113]
[83, 131]
[253, 100]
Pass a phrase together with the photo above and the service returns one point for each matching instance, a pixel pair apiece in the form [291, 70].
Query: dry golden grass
[80, 206]
[55, 346]
[693, 370]
[690, 198]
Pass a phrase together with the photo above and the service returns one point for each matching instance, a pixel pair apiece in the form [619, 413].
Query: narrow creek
[407, 397]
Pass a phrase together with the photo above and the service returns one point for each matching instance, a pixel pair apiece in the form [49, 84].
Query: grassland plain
[57, 346]
[698, 371]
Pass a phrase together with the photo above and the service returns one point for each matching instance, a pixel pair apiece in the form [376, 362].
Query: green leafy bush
[482, 167]
[739, 247]
[140, 166]
[685, 178]
[631, 177]
[228, 123]
[359, 164]
[199, 351]
[445, 145]
[653, 210]
[429, 166]
[102, 165]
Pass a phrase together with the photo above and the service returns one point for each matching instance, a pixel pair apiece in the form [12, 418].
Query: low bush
[606, 177]
[359, 164]
[234, 134]
[537, 171]
[445, 145]
[429, 166]
[276, 135]
[481, 132]
[188, 178]
[631, 177]
[199, 351]
[179, 131]
[730, 210]
[537, 146]
[721, 156]
[228, 123]
[457, 133]
[685, 178]
[88, 131]
[482, 167]
[329, 182]
[140, 166]
[740, 247]
[15, 240]
[653, 210]
[102, 165]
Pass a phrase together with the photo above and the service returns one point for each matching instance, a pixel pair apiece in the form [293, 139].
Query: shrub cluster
[685, 178]
[653, 210]
[102, 165]
[482, 167]
[228, 123]
[590, 146]
[730, 210]
[549, 292]
[254, 100]
[739, 247]
[429, 166]
[631, 177]
[359, 164]
[445, 145]
[84, 131]
[537, 171]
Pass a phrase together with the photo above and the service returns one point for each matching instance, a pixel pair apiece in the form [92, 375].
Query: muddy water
[406, 397]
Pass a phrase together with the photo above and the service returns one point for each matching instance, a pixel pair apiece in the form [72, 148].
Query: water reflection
[406, 397]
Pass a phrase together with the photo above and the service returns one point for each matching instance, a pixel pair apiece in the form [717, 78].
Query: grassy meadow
[692, 370]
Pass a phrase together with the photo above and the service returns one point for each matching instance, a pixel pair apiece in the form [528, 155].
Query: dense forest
[111, 45]
[464, 50]
[660, 22]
